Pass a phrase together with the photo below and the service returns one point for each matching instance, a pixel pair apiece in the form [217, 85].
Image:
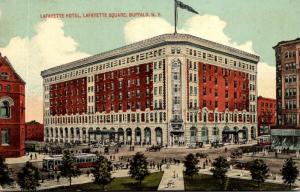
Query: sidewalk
[25, 158]
[170, 181]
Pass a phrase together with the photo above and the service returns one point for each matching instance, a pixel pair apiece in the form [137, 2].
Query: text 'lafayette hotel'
[170, 89]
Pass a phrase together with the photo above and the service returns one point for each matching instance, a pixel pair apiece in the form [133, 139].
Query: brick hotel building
[170, 89]
[287, 132]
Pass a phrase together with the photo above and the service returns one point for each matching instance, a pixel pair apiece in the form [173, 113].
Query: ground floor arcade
[152, 134]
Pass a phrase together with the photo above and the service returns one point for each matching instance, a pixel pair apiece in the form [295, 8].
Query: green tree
[68, 166]
[28, 177]
[259, 171]
[5, 179]
[190, 164]
[102, 171]
[138, 167]
[289, 172]
[220, 168]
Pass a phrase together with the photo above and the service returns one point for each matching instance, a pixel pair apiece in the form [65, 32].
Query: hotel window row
[153, 117]
[215, 58]
[114, 63]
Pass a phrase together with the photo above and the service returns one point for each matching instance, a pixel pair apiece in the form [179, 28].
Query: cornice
[164, 39]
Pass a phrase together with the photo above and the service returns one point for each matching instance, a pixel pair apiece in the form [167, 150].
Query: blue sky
[265, 22]
[34, 44]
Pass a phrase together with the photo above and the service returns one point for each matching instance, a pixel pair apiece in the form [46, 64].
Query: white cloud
[266, 80]
[209, 27]
[48, 48]
[146, 27]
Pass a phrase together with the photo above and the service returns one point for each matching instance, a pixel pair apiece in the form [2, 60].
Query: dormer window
[4, 76]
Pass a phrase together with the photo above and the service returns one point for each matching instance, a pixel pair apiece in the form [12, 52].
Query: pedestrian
[30, 156]
[57, 178]
[35, 156]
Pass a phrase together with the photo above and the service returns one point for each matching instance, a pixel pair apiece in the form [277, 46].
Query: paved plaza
[172, 178]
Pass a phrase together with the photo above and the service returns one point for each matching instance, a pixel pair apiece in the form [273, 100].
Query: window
[4, 109]
[173, 50]
[4, 137]
[4, 76]
[8, 88]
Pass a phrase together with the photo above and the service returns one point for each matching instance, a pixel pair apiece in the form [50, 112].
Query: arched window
[4, 109]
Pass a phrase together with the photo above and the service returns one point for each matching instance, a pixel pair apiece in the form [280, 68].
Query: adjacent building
[266, 113]
[12, 111]
[287, 132]
[172, 89]
[34, 131]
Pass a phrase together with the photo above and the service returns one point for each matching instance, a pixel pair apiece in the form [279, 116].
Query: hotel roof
[153, 42]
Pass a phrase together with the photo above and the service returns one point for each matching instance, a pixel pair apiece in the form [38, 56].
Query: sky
[33, 43]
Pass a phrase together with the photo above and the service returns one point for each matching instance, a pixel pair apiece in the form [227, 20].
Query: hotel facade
[172, 89]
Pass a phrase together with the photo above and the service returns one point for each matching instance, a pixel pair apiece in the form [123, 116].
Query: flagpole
[175, 15]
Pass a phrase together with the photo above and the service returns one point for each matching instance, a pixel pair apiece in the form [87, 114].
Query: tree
[102, 171]
[138, 167]
[68, 166]
[190, 164]
[289, 172]
[5, 179]
[28, 177]
[220, 168]
[259, 171]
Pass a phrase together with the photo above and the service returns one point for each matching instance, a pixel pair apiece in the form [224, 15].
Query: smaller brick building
[12, 111]
[266, 113]
[34, 131]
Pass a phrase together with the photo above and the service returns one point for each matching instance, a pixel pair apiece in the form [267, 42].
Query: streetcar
[264, 140]
[83, 160]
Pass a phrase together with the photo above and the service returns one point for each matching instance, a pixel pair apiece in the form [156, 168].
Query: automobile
[239, 164]
[154, 148]
[217, 144]
[199, 144]
[221, 144]
[201, 155]
[236, 154]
